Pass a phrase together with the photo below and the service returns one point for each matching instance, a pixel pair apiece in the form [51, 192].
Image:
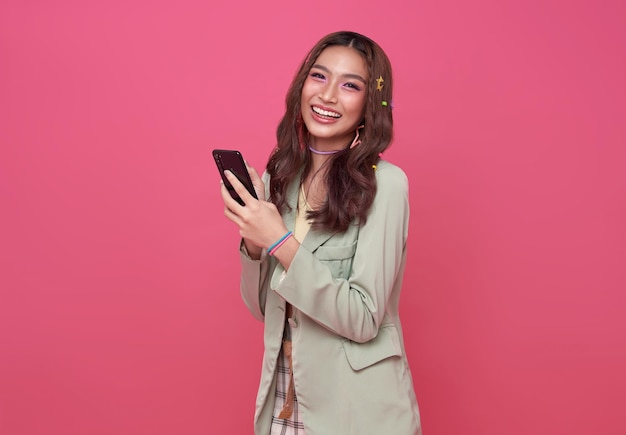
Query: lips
[325, 113]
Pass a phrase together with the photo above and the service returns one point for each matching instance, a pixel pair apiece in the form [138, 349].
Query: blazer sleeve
[254, 276]
[355, 307]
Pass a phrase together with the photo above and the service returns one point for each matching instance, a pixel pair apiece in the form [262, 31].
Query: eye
[351, 85]
[317, 75]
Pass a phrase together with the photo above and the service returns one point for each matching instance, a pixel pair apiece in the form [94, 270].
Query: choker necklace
[323, 153]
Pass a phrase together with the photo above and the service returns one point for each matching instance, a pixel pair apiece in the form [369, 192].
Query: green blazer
[349, 364]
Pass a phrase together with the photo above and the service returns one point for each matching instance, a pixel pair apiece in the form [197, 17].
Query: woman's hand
[260, 224]
[257, 183]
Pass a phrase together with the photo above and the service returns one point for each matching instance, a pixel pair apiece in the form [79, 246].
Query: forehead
[342, 60]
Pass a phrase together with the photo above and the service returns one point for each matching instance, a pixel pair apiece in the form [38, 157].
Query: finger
[229, 201]
[234, 218]
[239, 188]
[252, 171]
[254, 176]
[258, 184]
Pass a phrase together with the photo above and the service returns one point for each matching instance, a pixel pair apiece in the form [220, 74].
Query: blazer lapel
[314, 239]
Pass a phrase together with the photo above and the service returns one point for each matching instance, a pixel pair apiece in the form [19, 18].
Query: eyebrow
[349, 76]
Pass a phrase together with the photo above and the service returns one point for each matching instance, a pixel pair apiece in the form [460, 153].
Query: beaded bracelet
[279, 243]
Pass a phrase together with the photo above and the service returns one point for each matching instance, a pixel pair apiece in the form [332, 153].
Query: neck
[322, 153]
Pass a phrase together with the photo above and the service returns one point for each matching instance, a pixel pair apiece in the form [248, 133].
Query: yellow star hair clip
[379, 83]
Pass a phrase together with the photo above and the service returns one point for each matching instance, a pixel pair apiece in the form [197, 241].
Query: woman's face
[333, 97]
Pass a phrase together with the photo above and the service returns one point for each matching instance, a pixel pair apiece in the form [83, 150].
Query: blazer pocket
[329, 253]
[337, 258]
[385, 345]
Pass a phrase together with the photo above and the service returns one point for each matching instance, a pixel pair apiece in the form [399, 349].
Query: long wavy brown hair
[350, 178]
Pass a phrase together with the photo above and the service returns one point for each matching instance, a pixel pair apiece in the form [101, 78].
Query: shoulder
[390, 178]
[391, 203]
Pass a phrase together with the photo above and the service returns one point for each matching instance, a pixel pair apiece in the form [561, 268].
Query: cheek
[308, 89]
[357, 105]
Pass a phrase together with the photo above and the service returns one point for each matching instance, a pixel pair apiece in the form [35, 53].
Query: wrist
[278, 243]
[253, 251]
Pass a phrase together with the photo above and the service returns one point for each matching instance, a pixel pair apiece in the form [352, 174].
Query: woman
[323, 257]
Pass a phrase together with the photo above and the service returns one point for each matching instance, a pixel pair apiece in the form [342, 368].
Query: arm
[354, 307]
[254, 282]
[255, 264]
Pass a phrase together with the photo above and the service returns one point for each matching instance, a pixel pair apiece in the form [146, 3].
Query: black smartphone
[232, 160]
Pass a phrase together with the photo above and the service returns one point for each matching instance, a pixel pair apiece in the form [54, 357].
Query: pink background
[119, 303]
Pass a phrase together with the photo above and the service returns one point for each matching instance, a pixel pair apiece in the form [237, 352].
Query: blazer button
[293, 322]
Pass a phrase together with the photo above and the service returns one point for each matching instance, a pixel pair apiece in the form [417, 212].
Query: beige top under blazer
[350, 369]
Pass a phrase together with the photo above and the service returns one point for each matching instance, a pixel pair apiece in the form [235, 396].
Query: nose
[327, 93]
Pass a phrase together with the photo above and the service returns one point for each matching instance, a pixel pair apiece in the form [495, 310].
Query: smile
[326, 113]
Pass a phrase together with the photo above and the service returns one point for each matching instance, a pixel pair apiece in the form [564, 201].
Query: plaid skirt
[292, 425]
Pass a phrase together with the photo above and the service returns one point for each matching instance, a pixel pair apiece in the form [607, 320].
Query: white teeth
[326, 112]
